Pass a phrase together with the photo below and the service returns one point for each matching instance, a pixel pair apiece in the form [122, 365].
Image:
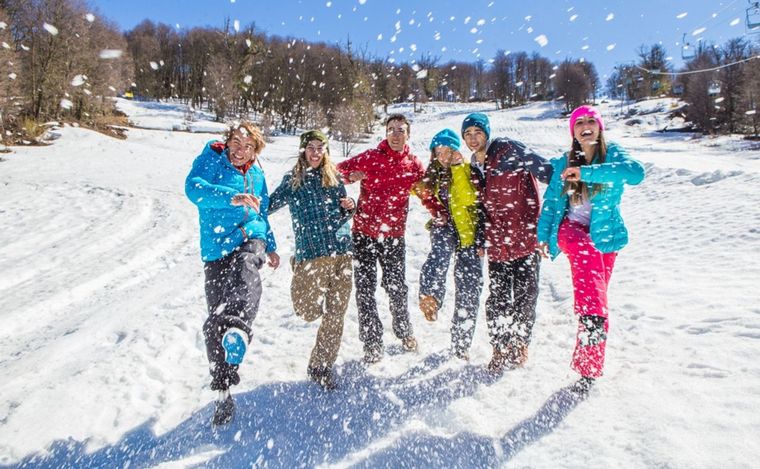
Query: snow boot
[373, 353]
[323, 376]
[582, 387]
[224, 408]
[518, 355]
[235, 343]
[429, 307]
[460, 354]
[409, 344]
[498, 360]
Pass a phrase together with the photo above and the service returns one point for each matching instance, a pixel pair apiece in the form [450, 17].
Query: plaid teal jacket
[320, 224]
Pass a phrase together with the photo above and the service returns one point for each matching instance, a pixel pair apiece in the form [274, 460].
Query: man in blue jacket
[232, 199]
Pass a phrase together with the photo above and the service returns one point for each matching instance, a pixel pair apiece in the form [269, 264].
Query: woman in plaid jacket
[322, 271]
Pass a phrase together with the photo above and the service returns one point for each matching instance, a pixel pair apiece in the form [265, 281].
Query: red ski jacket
[384, 191]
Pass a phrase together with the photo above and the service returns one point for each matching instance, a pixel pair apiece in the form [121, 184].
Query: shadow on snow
[299, 425]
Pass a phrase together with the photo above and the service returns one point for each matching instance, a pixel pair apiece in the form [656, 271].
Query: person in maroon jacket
[387, 173]
[506, 175]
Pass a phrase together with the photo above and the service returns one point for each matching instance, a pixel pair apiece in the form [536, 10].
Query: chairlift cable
[690, 72]
[715, 18]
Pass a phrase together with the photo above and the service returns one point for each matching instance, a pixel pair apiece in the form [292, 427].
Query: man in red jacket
[506, 173]
[387, 174]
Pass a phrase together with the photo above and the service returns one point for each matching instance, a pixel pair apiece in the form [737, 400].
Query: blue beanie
[477, 119]
[447, 138]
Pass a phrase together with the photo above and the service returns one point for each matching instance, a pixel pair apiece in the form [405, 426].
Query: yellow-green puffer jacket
[460, 198]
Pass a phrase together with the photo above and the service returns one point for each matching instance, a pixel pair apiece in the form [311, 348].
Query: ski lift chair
[752, 21]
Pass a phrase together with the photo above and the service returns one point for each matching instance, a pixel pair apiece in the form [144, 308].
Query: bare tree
[572, 84]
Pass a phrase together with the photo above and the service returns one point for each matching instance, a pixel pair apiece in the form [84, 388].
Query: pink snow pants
[591, 271]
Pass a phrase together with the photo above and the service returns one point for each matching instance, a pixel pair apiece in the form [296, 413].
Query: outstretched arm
[514, 155]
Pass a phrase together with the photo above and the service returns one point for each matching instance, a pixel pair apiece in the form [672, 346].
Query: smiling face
[443, 154]
[586, 131]
[241, 147]
[475, 138]
[397, 134]
[314, 153]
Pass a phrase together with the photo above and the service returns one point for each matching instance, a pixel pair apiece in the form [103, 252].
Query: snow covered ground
[101, 300]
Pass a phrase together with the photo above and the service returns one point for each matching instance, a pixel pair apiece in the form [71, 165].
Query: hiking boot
[224, 408]
[498, 360]
[460, 354]
[409, 344]
[323, 377]
[373, 353]
[518, 355]
[235, 343]
[582, 386]
[429, 307]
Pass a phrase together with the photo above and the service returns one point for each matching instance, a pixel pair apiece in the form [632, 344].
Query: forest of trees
[60, 62]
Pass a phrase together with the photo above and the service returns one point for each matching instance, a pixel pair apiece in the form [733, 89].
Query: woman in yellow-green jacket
[455, 230]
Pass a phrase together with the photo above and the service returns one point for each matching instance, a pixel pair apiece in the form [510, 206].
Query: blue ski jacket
[606, 228]
[211, 184]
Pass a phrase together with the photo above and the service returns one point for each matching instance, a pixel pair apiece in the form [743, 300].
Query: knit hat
[307, 137]
[582, 111]
[447, 138]
[477, 119]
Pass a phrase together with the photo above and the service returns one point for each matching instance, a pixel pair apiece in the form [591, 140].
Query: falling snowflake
[89, 17]
[611, 46]
[681, 15]
[110, 53]
[248, 79]
[78, 80]
[699, 31]
[50, 28]
[574, 17]
[735, 21]
[66, 104]
[422, 74]
[542, 40]
[153, 65]
[610, 17]
[236, 25]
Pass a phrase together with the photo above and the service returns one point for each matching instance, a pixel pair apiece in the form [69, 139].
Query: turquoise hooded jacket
[606, 227]
[211, 184]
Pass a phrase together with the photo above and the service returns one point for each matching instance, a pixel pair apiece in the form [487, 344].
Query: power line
[690, 72]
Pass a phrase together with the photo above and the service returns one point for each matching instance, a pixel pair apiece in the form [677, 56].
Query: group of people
[487, 206]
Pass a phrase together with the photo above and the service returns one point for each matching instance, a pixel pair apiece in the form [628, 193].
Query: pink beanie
[582, 111]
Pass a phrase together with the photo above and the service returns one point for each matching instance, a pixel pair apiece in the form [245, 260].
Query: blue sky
[605, 33]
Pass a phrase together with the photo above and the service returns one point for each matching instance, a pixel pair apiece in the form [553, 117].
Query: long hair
[329, 171]
[578, 190]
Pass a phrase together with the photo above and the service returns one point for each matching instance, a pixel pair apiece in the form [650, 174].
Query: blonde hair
[329, 171]
[578, 190]
[248, 129]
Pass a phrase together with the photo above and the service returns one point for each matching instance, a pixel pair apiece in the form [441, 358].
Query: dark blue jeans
[468, 281]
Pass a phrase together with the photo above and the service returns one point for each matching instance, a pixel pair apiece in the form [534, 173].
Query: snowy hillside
[101, 300]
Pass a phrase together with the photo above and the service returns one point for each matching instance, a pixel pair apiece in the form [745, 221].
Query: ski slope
[101, 302]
